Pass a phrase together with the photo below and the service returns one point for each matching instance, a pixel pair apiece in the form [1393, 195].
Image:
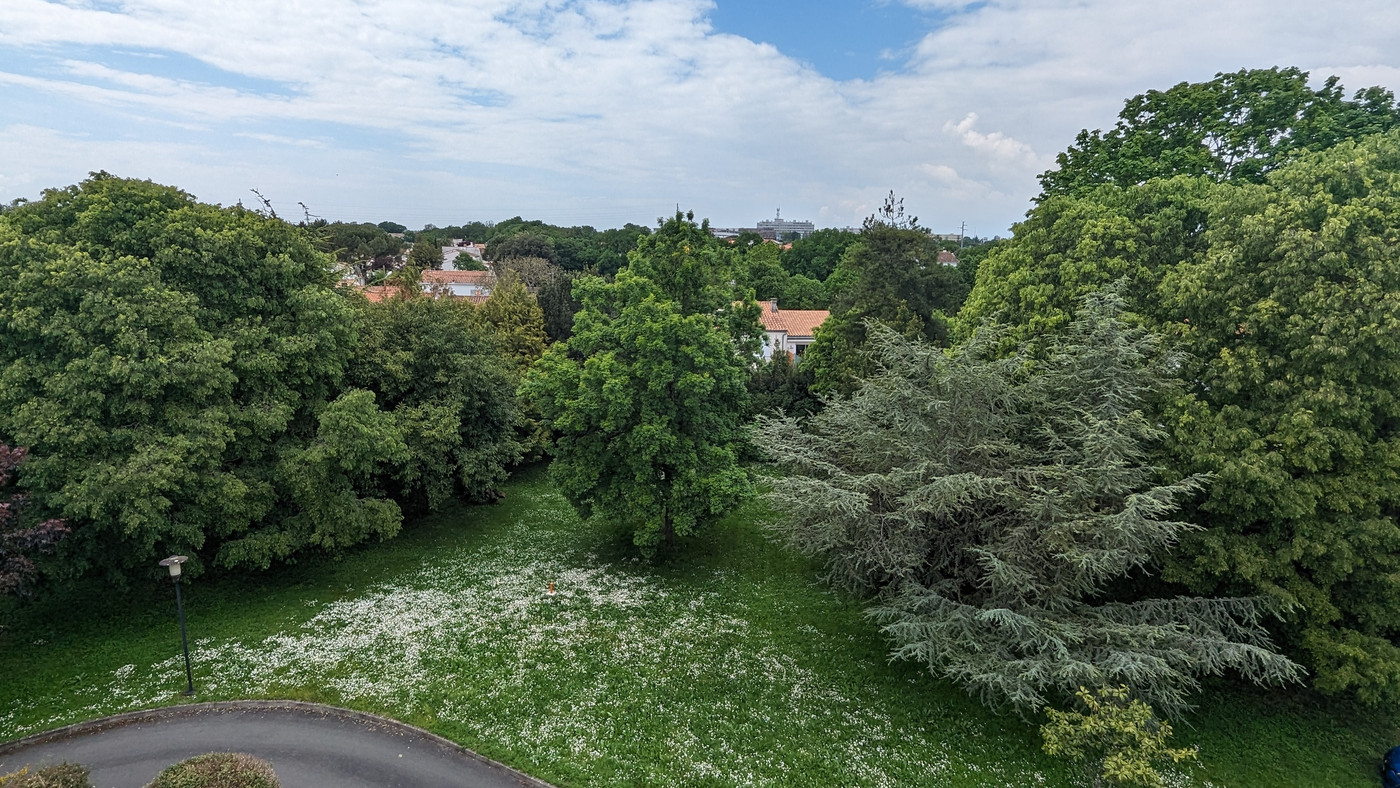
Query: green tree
[1292, 318]
[364, 248]
[451, 394]
[692, 268]
[801, 292]
[1118, 737]
[817, 255]
[526, 244]
[892, 275]
[160, 359]
[646, 404]
[1238, 126]
[989, 505]
[758, 269]
[426, 255]
[1283, 293]
[511, 314]
[556, 300]
[780, 385]
[1070, 246]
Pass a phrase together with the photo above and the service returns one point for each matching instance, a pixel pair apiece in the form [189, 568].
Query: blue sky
[607, 111]
[842, 40]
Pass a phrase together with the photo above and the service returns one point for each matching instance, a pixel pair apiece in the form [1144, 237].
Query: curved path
[308, 745]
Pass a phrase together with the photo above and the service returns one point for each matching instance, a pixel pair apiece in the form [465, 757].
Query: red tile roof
[946, 257]
[377, 293]
[459, 278]
[796, 322]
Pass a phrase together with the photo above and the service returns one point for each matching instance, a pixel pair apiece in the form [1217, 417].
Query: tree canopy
[989, 504]
[646, 404]
[177, 373]
[1238, 126]
[1284, 292]
[891, 274]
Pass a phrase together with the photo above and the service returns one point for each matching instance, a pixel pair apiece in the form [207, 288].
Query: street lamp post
[173, 564]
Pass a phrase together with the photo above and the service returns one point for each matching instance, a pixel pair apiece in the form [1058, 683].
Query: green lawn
[728, 666]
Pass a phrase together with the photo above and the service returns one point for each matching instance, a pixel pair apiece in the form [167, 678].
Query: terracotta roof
[947, 258]
[459, 278]
[377, 293]
[796, 322]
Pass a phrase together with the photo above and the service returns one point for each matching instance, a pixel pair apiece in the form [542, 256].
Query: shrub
[63, 775]
[1118, 738]
[218, 770]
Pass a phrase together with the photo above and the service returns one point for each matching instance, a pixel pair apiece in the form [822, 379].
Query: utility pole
[962, 235]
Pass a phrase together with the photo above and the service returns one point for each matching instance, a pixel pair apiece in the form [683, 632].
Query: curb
[236, 706]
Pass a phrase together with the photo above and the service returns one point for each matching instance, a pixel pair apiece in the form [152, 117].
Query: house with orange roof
[789, 330]
[462, 284]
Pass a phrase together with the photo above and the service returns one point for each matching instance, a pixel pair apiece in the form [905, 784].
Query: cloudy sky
[606, 111]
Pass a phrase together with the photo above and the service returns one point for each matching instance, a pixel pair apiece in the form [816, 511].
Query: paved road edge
[214, 707]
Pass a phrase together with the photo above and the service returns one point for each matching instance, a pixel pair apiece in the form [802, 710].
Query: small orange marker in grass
[551, 589]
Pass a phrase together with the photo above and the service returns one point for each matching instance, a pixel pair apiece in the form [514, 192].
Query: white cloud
[609, 111]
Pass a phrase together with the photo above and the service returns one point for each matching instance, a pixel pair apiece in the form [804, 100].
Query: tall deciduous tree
[1292, 317]
[646, 404]
[162, 360]
[425, 255]
[437, 370]
[1285, 294]
[990, 507]
[1238, 126]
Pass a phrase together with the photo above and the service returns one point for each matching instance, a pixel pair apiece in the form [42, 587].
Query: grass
[729, 665]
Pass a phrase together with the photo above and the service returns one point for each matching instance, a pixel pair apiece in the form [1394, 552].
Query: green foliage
[525, 244]
[1285, 295]
[512, 315]
[60, 775]
[1117, 736]
[1070, 246]
[1238, 126]
[891, 274]
[1293, 320]
[365, 248]
[571, 248]
[557, 302]
[516, 322]
[817, 255]
[780, 385]
[646, 403]
[218, 770]
[425, 255]
[438, 371]
[800, 292]
[760, 271]
[690, 267]
[990, 503]
[160, 358]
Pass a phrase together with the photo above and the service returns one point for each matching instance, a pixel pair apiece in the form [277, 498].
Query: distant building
[789, 330]
[947, 258]
[779, 228]
[462, 284]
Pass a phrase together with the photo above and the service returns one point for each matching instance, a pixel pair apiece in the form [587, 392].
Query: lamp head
[173, 564]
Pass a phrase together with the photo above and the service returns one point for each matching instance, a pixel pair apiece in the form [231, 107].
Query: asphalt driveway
[309, 746]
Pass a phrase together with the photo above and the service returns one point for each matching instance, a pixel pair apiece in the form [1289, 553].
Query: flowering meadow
[730, 665]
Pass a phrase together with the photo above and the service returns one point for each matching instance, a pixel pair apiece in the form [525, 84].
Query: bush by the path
[63, 775]
[218, 770]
